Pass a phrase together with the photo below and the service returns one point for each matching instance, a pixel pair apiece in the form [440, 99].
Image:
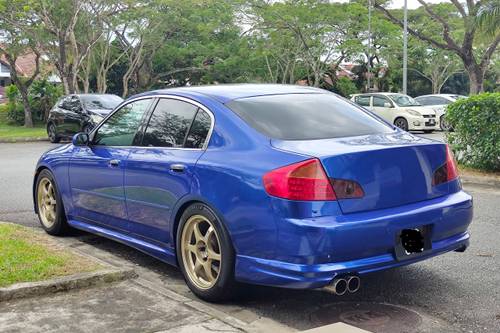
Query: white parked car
[400, 110]
[439, 102]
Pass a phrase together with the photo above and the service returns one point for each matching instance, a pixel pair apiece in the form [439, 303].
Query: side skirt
[163, 254]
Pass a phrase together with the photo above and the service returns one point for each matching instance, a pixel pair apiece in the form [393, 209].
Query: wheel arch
[50, 122]
[181, 207]
[401, 117]
[35, 180]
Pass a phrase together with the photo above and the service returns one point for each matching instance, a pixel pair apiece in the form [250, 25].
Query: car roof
[439, 95]
[97, 95]
[378, 93]
[228, 92]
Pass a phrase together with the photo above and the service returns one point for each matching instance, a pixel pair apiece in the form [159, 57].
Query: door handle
[177, 167]
[114, 163]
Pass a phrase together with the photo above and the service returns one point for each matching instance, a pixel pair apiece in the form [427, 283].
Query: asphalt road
[456, 292]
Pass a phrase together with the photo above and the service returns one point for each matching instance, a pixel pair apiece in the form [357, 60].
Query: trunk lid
[393, 169]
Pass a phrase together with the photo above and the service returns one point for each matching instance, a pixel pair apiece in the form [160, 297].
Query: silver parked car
[439, 102]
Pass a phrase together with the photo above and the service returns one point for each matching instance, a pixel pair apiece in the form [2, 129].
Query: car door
[56, 115]
[363, 100]
[96, 171]
[73, 116]
[383, 107]
[160, 172]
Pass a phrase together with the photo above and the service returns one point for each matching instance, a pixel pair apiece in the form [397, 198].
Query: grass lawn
[12, 131]
[27, 256]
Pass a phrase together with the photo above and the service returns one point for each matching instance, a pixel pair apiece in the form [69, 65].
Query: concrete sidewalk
[155, 301]
[121, 307]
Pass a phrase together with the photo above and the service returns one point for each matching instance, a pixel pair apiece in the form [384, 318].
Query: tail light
[307, 181]
[304, 180]
[347, 189]
[446, 172]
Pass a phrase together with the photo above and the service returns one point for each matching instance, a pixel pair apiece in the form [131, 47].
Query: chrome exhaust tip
[353, 283]
[338, 286]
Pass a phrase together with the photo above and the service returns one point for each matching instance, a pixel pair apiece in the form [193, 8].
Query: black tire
[60, 226]
[402, 123]
[444, 125]
[428, 131]
[225, 287]
[52, 133]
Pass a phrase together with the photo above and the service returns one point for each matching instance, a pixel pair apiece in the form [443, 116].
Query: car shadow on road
[376, 286]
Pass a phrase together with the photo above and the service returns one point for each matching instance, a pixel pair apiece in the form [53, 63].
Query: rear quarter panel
[228, 177]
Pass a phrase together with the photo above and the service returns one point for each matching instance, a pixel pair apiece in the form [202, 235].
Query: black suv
[78, 113]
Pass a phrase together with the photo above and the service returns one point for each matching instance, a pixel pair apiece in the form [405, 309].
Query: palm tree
[488, 16]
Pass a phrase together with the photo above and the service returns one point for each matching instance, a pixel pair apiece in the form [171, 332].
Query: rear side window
[199, 130]
[169, 123]
[362, 100]
[306, 117]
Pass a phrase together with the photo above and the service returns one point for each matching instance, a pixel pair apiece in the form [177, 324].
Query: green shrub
[476, 137]
[15, 113]
[12, 93]
[345, 87]
[15, 110]
[43, 95]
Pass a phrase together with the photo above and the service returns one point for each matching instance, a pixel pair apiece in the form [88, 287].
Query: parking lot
[456, 292]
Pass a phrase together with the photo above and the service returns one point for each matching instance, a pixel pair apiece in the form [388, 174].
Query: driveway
[456, 292]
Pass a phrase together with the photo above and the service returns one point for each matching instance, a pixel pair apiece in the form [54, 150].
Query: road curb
[17, 140]
[72, 282]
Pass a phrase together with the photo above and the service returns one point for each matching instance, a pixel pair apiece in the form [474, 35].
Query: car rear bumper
[311, 255]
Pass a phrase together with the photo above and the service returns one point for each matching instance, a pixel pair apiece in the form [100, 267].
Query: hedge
[476, 137]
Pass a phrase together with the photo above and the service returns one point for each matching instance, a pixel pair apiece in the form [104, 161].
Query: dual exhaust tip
[341, 285]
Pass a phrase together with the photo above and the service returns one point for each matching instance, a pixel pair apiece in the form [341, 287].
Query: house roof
[25, 64]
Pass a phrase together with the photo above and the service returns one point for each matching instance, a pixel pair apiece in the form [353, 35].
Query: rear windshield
[101, 102]
[306, 117]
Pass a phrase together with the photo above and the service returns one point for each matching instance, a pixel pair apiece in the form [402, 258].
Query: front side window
[404, 100]
[439, 101]
[169, 123]
[306, 116]
[379, 101]
[121, 128]
[423, 100]
[362, 100]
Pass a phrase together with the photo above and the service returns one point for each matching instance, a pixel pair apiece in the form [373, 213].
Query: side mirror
[80, 139]
[387, 105]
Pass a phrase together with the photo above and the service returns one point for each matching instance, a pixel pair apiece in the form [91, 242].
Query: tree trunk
[317, 79]
[86, 84]
[476, 79]
[64, 83]
[125, 86]
[102, 85]
[435, 87]
[28, 116]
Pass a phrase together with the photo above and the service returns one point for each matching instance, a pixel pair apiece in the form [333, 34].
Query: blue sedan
[266, 184]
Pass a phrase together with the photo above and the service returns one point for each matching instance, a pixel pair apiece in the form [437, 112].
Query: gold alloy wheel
[201, 254]
[47, 203]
